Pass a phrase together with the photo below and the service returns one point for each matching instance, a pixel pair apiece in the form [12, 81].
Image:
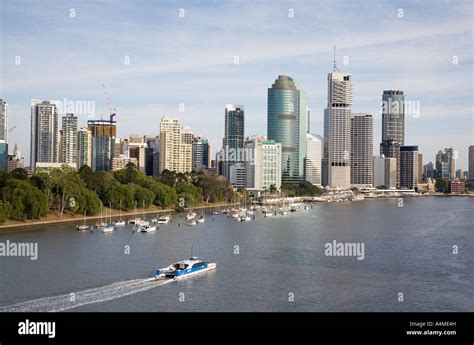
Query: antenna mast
[334, 61]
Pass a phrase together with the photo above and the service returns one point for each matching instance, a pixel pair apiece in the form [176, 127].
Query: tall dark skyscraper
[233, 141]
[287, 124]
[393, 116]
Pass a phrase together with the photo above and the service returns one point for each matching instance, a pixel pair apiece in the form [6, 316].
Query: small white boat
[83, 227]
[201, 219]
[245, 219]
[134, 221]
[190, 215]
[235, 215]
[101, 225]
[147, 228]
[142, 222]
[154, 220]
[108, 228]
[250, 213]
[191, 222]
[164, 219]
[216, 213]
[118, 223]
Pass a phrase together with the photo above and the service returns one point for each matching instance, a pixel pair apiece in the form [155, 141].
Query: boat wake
[85, 297]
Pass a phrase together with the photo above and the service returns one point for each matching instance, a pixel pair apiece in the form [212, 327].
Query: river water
[268, 264]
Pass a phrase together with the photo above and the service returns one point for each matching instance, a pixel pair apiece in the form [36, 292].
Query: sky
[179, 58]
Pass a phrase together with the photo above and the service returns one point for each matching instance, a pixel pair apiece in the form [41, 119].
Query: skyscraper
[3, 156]
[233, 141]
[84, 147]
[69, 139]
[471, 162]
[337, 131]
[44, 140]
[287, 124]
[393, 116]
[3, 120]
[201, 154]
[391, 148]
[362, 141]
[263, 164]
[409, 167]
[312, 166]
[385, 172]
[175, 155]
[103, 143]
[446, 163]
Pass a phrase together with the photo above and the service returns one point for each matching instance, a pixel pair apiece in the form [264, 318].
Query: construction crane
[107, 100]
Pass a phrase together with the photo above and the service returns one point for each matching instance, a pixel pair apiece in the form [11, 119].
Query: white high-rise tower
[337, 131]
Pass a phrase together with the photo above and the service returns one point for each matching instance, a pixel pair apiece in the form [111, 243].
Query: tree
[26, 200]
[442, 186]
[19, 174]
[5, 211]
[273, 189]
[168, 177]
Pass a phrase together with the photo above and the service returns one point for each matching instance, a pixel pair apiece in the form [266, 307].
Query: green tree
[5, 211]
[168, 177]
[26, 200]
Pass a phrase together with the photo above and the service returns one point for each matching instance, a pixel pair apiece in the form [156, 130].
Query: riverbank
[53, 220]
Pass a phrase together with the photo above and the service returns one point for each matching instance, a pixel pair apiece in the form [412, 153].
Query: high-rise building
[175, 155]
[471, 162]
[103, 143]
[138, 151]
[69, 139]
[362, 143]
[84, 147]
[201, 154]
[262, 164]
[44, 140]
[409, 167]
[153, 156]
[233, 141]
[312, 166]
[391, 148]
[187, 135]
[3, 120]
[446, 163]
[429, 171]
[337, 131]
[420, 167]
[3, 156]
[15, 161]
[385, 172]
[393, 116]
[287, 124]
[237, 175]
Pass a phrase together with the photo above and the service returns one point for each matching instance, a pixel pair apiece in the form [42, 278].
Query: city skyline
[421, 49]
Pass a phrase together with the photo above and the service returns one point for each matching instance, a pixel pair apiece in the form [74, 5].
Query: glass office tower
[287, 124]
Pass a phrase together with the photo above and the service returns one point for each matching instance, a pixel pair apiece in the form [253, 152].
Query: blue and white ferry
[186, 268]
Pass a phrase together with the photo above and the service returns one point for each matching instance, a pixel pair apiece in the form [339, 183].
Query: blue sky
[190, 60]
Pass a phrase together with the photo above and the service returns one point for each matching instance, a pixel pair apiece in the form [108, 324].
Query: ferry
[147, 228]
[186, 268]
[164, 219]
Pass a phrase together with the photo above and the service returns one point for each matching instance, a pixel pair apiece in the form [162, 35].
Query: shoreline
[50, 220]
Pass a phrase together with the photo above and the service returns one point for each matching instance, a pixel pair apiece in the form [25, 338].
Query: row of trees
[301, 189]
[67, 190]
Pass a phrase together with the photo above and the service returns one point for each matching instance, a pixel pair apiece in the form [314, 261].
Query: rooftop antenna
[334, 61]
